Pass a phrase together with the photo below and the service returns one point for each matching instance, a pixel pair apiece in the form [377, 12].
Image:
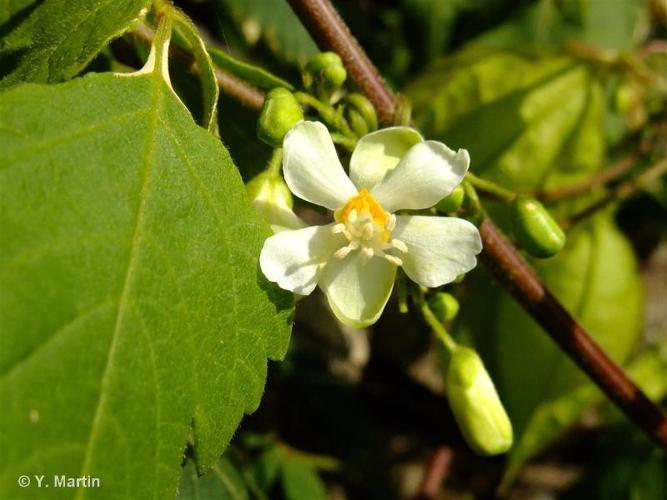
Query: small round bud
[280, 113]
[476, 405]
[324, 73]
[444, 306]
[534, 228]
[360, 113]
[452, 202]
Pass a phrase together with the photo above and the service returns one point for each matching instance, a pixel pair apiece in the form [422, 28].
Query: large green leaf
[528, 122]
[132, 312]
[546, 24]
[60, 37]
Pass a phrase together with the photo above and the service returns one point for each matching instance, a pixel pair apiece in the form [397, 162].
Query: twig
[614, 172]
[331, 33]
[620, 192]
[436, 472]
[239, 90]
[510, 269]
[524, 285]
[491, 189]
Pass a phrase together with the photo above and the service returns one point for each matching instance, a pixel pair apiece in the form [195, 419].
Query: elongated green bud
[271, 188]
[476, 405]
[360, 113]
[280, 112]
[273, 201]
[534, 228]
[452, 202]
[324, 73]
[444, 306]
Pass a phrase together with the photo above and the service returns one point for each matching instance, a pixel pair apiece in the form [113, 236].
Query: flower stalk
[491, 188]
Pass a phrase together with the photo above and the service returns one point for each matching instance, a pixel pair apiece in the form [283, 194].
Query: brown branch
[437, 470]
[620, 192]
[329, 31]
[248, 96]
[610, 174]
[522, 282]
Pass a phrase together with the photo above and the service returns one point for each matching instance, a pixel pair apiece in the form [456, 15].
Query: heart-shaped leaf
[132, 315]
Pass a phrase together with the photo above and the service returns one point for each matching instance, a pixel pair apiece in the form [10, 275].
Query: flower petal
[425, 175]
[295, 259]
[358, 288]
[379, 152]
[312, 169]
[439, 248]
[284, 219]
[279, 215]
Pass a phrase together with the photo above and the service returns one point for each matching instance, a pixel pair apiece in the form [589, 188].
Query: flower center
[367, 227]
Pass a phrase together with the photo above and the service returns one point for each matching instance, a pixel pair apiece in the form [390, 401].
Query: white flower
[354, 259]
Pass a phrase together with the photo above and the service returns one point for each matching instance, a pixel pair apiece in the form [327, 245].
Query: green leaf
[529, 123]
[550, 25]
[223, 482]
[595, 277]
[60, 37]
[267, 466]
[254, 75]
[187, 31]
[435, 20]
[10, 8]
[276, 24]
[301, 482]
[133, 312]
[547, 423]
[626, 465]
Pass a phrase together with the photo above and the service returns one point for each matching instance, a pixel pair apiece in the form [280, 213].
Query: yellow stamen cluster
[367, 227]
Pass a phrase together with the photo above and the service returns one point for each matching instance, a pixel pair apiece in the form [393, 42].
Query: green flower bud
[444, 306]
[268, 187]
[273, 201]
[476, 405]
[357, 122]
[534, 228]
[280, 112]
[324, 73]
[360, 113]
[452, 202]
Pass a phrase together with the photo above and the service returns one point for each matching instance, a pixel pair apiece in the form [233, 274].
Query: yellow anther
[363, 202]
[364, 205]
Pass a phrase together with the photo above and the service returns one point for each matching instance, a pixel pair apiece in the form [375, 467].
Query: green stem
[347, 142]
[491, 188]
[275, 162]
[472, 202]
[438, 328]
[320, 462]
[326, 112]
